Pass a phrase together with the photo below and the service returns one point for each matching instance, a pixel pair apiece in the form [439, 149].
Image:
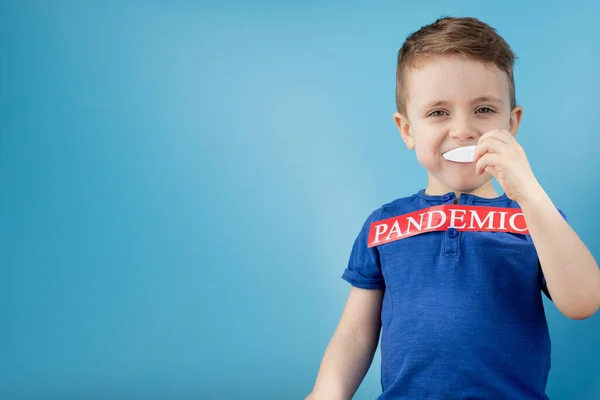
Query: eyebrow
[481, 99]
[485, 99]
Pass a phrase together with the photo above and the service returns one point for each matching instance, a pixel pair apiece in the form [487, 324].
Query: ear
[403, 125]
[515, 119]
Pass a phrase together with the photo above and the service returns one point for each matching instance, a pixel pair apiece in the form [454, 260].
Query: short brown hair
[455, 36]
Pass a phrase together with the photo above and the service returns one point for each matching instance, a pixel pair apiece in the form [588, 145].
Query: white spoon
[461, 154]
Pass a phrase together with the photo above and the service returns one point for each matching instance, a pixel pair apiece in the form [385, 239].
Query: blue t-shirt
[462, 314]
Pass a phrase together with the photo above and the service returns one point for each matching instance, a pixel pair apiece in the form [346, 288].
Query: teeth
[462, 154]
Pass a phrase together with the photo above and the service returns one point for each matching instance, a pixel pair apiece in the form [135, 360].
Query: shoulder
[398, 206]
[394, 208]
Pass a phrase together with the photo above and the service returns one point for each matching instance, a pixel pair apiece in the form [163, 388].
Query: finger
[500, 134]
[487, 160]
[492, 171]
[491, 145]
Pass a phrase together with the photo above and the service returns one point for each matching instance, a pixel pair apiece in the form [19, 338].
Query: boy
[459, 307]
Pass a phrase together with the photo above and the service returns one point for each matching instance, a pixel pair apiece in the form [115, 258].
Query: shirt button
[446, 197]
[452, 232]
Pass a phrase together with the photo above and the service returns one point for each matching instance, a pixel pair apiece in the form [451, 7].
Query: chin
[456, 177]
[467, 184]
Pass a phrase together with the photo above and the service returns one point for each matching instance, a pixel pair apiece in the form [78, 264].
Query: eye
[437, 113]
[484, 110]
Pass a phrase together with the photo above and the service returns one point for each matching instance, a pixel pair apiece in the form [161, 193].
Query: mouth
[464, 154]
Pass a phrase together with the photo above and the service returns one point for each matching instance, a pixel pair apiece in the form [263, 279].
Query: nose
[464, 131]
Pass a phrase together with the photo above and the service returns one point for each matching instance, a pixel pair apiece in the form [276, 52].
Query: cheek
[427, 148]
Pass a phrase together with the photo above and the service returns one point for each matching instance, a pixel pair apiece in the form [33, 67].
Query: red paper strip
[444, 217]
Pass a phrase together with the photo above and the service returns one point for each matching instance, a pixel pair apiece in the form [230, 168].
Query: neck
[486, 190]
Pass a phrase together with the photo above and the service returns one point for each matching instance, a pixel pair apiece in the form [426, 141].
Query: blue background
[181, 184]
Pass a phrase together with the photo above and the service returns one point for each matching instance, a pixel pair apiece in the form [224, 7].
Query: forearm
[344, 366]
[571, 272]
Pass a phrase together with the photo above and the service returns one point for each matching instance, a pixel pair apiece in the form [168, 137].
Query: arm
[350, 352]
[571, 273]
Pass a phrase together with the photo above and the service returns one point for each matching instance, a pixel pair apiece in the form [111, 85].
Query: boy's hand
[499, 154]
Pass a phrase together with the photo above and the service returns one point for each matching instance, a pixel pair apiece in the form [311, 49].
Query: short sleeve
[364, 266]
[563, 214]
[543, 284]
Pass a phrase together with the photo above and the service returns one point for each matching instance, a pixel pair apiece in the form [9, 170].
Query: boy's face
[452, 101]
